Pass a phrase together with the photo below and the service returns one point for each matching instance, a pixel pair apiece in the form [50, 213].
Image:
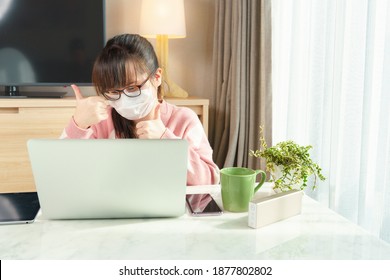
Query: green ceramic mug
[238, 185]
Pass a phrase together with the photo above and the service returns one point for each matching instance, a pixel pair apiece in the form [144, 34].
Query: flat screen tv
[48, 43]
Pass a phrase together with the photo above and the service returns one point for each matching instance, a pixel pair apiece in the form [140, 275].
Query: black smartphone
[202, 205]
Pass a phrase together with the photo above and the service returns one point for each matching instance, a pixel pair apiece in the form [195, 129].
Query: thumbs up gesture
[90, 110]
[152, 128]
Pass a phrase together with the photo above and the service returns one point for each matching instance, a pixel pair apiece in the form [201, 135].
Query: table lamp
[163, 20]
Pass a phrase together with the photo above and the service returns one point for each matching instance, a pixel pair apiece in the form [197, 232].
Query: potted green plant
[289, 164]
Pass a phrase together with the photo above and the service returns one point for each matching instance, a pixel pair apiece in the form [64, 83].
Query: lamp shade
[162, 17]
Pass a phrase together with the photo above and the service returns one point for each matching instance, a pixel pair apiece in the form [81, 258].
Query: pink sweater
[181, 123]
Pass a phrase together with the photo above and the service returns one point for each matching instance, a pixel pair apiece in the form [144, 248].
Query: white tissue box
[267, 210]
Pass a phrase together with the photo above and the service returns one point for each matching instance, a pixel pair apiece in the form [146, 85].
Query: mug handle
[263, 175]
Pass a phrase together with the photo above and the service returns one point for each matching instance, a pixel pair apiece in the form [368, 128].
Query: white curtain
[331, 89]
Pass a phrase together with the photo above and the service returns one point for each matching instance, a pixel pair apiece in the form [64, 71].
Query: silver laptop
[109, 178]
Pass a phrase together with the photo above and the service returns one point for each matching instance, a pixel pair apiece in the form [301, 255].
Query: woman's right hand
[89, 110]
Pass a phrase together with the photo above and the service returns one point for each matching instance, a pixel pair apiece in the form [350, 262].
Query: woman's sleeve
[102, 130]
[201, 169]
[72, 131]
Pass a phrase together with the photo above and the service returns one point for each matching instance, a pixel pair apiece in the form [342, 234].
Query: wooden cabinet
[23, 119]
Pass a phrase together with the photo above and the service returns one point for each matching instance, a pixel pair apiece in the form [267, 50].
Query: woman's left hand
[153, 128]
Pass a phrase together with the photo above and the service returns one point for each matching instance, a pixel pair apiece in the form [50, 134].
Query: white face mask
[135, 108]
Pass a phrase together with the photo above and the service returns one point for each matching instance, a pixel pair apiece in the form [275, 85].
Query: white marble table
[317, 233]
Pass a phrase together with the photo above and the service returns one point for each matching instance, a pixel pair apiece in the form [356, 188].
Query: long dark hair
[117, 66]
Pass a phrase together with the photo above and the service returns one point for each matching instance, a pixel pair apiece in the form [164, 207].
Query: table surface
[317, 233]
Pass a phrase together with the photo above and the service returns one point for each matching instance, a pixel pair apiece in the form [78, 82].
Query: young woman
[129, 104]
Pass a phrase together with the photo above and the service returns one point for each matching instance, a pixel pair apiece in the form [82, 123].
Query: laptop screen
[18, 207]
